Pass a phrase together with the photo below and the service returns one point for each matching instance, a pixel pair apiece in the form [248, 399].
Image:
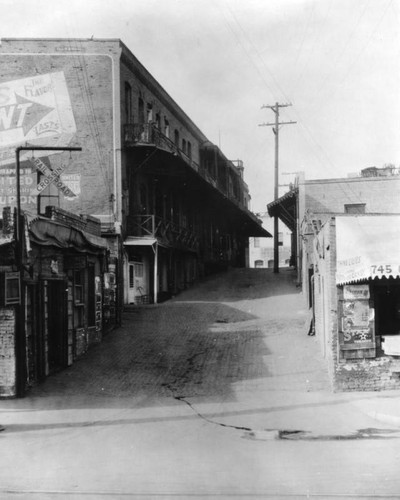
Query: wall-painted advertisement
[56, 102]
[35, 110]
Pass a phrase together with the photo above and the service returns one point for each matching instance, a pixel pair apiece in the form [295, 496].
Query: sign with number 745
[384, 269]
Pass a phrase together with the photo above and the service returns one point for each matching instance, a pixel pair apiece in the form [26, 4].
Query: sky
[335, 62]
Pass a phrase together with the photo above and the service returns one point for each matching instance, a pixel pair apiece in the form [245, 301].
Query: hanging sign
[50, 177]
[356, 292]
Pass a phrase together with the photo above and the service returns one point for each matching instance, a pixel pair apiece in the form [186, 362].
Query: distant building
[261, 250]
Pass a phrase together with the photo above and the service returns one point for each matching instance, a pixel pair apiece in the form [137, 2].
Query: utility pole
[275, 130]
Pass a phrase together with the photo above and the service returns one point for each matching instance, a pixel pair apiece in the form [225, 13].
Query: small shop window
[354, 208]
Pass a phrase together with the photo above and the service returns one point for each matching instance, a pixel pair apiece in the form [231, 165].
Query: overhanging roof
[133, 241]
[246, 221]
[46, 232]
[285, 208]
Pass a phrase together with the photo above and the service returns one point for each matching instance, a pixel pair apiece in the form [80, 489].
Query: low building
[57, 295]
[349, 270]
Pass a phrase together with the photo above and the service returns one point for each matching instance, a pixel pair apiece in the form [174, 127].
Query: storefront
[367, 280]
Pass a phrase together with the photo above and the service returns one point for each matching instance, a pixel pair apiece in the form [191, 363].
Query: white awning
[136, 241]
[367, 247]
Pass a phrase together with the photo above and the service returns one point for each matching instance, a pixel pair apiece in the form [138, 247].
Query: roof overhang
[46, 232]
[132, 241]
[174, 165]
[285, 208]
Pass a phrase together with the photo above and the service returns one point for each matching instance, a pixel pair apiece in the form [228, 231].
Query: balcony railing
[166, 231]
[139, 134]
[147, 134]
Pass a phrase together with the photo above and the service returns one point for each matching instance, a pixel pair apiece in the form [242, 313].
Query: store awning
[46, 232]
[367, 247]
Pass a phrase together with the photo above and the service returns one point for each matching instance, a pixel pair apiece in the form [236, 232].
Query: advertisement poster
[356, 328]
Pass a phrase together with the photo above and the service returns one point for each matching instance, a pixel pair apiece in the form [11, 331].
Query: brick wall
[7, 352]
[88, 72]
[380, 194]
[352, 374]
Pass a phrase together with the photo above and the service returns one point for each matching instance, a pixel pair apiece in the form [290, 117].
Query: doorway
[57, 333]
[137, 284]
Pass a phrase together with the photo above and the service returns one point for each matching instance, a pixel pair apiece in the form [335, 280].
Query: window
[166, 127]
[354, 208]
[139, 270]
[149, 113]
[128, 103]
[189, 149]
[184, 146]
[143, 198]
[256, 242]
[141, 110]
[176, 137]
[158, 121]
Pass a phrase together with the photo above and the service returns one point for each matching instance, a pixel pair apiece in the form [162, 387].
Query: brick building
[151, 203]
[349, 269]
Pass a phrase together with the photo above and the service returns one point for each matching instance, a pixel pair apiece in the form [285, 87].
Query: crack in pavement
[238, 427]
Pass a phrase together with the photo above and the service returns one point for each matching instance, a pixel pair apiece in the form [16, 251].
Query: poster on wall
[357, 317]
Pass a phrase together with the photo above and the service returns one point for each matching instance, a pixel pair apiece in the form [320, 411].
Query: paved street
[218, 392]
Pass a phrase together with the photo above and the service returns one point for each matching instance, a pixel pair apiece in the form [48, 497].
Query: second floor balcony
[148, 134]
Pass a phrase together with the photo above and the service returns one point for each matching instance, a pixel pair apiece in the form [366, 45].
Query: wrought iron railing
[141, 134]
[136, 134]
[166, 231]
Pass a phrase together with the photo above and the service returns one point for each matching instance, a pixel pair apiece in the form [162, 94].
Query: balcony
[167, 232]
[147, 134]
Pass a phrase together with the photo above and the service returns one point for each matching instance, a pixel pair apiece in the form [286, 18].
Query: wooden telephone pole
[276, 125]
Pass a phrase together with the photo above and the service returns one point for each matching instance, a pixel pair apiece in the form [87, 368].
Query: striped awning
[367, 247]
